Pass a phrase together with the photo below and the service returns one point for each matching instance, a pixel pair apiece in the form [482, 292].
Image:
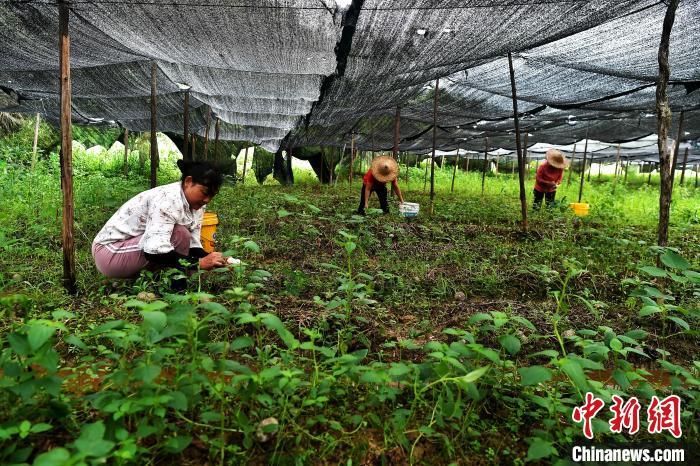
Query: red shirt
[370, 180]
[548, 177]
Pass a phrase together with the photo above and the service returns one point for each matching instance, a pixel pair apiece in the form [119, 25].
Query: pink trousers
[125, 259]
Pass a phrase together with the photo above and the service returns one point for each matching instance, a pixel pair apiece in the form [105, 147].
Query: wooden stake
[206, 135]
[483, 172]
[432, 159]
[193, 155]
[126, 151]
[66, 156]
[521, 165]
[154, 126]
[245, 162]
[663, 112]
[583, 168]
[217, 130]
[397, 131]
[186, 129]
[526, 163]
[36, 140]
[685, 162]
[571, 166]
[454, 172]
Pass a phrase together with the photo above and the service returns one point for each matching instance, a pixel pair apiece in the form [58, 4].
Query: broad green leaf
[649, 310]
[653, 271]
[616, 344]
[55, 457]
[534, 374]
[177, 444]
[524, 322]
[576, 374]
[680, 322]
[674, 261]
[283, 213]
[548, 353]
[155, 319]
[91, 441]
[241, 342]
[252, 246]
[478, 317]
[510, 343]
[273, 322]
[39, 334]
[474, 375]
[540, 448]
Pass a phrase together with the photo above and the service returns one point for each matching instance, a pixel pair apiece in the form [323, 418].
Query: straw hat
[384, 169]
[556, 160]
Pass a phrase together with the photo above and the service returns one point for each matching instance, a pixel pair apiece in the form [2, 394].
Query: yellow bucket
[208, 236]
[580, 208]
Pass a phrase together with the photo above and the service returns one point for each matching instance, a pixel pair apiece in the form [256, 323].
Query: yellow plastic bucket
[580, 208]
[208, 236]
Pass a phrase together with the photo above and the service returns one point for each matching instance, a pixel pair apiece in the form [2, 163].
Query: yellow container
[208, 236]
[580, 208]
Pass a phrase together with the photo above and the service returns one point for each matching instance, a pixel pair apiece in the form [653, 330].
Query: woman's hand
[212, 261]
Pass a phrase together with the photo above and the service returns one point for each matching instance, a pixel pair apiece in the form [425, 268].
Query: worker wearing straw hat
[549, 176]
[384, 169]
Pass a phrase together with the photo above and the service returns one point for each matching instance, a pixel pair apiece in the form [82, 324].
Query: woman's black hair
[203, 173]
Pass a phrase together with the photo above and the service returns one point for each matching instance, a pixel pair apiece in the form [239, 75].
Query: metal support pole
[432, 159]
[217, 132]
[186, 129]
[352, 156]
[245, 162]
[583, 168]
[66, 156]
[617, 163]
[397, 131]
[571, 166]
[205, 155]
[685, 163]
[454, 172]
[483, 172]
[126, 151]
[154, 126]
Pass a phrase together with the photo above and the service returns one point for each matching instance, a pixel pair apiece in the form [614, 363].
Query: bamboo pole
[154, 126]
[126, 151]
[663, 112]
[217, 132]
[432, 159]
[66, 155]
[186, 129]
[526, 168]
[571, 166]
[583, 168]
[193, 147]
[454, 172]
[483, 172]
[245, 162]
[205, 155]
[685, 162]
[397, 131]
[521, 165]
[36, 141]
[697, 169]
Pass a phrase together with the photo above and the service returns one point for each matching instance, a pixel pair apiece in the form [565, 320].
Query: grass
[447, 338]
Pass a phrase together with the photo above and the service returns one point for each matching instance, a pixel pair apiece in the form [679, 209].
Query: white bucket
[409, 209]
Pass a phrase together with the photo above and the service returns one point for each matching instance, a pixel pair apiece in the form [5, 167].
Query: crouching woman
[160, 227]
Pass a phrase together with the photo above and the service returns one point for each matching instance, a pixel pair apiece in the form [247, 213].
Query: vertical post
[571, 166]
[583, 168]
[186, 129]
[36, 140]
[193, 147]
[206, 135]
[674, 162]
[397, 131]
[466, 169]
[432, 158]
[126, 151]
[66, 156]
[525, 158]
[245, 162]
[521, 165]
[685, 162]
[663, 112]
[483, 172]
[627, 167]
[454, 172]
[590, 168]
[617, 163]
[650, 170]
[697, 169]
[154, 126]
[217, 130]
[352, 155]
